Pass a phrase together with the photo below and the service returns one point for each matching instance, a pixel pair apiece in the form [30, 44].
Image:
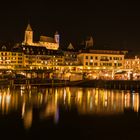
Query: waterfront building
[101, 62]
[5, 58]
[70, 55]
[101, 59]
[41, 58]
[132, 64]
[10, 58]
[17, 59]
[67, 63]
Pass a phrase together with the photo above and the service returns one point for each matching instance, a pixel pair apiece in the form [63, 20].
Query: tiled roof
[34, 50]
[47, 39]
[7, 46]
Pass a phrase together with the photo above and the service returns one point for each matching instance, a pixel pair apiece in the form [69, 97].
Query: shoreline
[108, 84]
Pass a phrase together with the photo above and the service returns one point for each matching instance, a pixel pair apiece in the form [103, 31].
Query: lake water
[69, 113]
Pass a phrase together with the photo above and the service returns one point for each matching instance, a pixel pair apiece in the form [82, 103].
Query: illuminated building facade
[70, 56]
[66, 63]
[41, 58]
[132, 62]
[101, 63]
[101, 59]
[48, 42]
[10, 58]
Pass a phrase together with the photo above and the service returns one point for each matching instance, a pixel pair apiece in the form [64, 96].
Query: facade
[70, 56]
[10, 58]
[51, 43]
[101, 59]
[132, 65]
[5, 58]
[132, 62]
[101, 63]
[41, 58]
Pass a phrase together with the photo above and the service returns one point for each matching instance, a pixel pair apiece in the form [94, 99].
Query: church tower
[57, 38]
[28, 39]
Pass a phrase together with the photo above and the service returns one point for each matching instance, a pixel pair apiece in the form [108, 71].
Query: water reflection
[47, 101]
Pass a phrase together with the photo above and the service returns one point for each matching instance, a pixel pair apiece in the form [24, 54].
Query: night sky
[114, 23]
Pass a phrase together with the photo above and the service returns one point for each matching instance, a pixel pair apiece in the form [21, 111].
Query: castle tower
[89, 42]
[28, 39]
[57, 38]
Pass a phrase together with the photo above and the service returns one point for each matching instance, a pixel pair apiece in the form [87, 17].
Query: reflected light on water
[91, 101]
[27, 119]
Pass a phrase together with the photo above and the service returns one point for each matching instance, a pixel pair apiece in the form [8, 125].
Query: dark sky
[114, 23]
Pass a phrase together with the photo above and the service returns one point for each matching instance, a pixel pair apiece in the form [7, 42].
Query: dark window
[13, 54]
[19, 61]
[95, 64]
[96, 58]
[20, 54]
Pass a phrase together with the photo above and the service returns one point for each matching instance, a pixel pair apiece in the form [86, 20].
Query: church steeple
[28, 39]
[70, 47]
[29, 27]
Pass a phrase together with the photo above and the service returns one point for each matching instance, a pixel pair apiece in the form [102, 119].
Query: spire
[70, 47]
[28, 28]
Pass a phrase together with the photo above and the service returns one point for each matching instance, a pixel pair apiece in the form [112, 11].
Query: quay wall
[111, 84]
[108, 84]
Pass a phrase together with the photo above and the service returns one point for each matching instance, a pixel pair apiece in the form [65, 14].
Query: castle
[48, 42]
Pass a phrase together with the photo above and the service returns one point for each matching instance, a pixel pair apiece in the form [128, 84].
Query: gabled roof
[28, 28]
